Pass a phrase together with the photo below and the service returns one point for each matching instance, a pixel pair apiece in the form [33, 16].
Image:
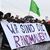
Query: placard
[24, 34]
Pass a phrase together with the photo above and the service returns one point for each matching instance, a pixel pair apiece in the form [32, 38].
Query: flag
[34, 8]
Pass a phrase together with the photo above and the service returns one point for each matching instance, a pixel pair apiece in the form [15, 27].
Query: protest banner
[24, 34]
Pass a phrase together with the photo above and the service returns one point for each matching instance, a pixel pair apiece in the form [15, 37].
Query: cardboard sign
[25, 34]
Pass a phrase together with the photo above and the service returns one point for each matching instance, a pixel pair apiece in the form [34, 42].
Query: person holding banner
[1, 16]
[4, 40]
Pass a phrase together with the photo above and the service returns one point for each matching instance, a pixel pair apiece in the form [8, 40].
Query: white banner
[24, 34]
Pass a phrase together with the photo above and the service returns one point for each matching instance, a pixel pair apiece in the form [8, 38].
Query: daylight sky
[21, 7]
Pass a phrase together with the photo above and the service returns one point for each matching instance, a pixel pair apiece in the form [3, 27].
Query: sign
[24, 34]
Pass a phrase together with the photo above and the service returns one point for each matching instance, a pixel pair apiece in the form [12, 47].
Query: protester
[4, 40]
[1, 16]
[28, 19]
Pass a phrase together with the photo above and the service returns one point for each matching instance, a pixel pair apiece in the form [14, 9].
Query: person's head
[43, 21]
[1, 14]
[12, 17]
[22, 20]
[36, 20]
[17, 17]
[7, 15]
[28, 17]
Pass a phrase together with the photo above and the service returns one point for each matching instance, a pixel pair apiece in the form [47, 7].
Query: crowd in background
[27, 19]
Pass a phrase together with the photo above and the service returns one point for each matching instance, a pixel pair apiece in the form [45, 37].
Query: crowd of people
[27, 19]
